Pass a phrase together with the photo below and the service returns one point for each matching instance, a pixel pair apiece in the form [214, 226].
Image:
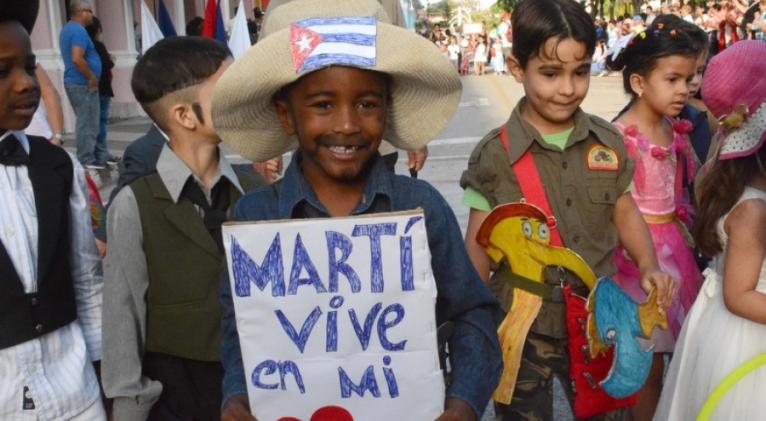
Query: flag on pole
[213, 25]
[150, 32]
[166, 24]
[239, 41]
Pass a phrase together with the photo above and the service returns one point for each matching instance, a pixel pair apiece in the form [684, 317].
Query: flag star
[305, 42]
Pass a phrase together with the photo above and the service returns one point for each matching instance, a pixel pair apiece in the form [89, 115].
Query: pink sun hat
[734, 90]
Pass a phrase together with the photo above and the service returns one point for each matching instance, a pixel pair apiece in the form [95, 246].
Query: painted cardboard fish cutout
[616, 320]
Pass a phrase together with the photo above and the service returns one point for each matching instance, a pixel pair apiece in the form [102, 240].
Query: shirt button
[39, 328]
[33, 301]
[569, 202]
[564, 165]
[607, 196]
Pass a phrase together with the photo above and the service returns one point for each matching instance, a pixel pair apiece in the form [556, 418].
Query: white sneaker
[95, 166]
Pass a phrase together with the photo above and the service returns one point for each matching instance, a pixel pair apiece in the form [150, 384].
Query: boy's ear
[636, 84]
[285, 116]
[516, 70]
[183, 115]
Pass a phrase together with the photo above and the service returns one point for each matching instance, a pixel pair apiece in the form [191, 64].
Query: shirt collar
[174, 172]
[295, 189]
[20, 136]
[521, 134]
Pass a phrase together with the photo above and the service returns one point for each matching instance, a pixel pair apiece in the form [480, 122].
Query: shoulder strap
[531, 185]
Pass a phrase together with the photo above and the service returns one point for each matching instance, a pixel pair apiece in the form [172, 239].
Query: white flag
[239, 41]
[150, 32]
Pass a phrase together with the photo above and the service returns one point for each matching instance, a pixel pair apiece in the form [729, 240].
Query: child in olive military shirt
[585, 174]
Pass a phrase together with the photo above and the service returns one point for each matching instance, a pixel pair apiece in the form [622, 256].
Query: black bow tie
[215, 213]
[11, 152]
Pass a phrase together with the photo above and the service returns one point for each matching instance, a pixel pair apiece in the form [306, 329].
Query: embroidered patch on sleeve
[601, 158]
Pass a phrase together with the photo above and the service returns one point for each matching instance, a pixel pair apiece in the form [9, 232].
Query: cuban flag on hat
[321, 42]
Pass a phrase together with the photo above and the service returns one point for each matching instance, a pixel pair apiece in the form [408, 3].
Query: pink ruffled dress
[659, 193]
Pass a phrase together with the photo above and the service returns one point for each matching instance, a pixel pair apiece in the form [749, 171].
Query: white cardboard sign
[336, 317]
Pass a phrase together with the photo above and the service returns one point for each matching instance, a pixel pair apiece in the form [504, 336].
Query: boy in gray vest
[162, 330]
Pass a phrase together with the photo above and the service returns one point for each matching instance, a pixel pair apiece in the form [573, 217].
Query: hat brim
[425, 93]
[747, 139]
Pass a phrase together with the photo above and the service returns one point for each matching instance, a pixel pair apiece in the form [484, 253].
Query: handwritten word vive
[363, 330]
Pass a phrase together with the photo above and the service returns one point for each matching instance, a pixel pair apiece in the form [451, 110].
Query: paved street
[486, 103]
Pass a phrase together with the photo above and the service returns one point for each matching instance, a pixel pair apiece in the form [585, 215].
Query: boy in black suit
[50, 308]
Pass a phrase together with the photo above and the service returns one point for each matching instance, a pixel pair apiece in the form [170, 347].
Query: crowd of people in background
[478, 52]
[724, 22]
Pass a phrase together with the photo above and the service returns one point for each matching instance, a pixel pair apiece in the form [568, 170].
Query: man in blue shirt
[82, 70]
[335, 107]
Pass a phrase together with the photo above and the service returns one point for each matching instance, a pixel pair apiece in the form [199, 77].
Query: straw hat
[734, 90]
[425, 87]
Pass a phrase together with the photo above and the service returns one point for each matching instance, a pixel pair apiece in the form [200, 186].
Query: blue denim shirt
[462, 297]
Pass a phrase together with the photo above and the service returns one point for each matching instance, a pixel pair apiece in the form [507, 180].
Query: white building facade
[121, 20]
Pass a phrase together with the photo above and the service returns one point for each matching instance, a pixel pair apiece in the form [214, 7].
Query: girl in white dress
[726, 326]
[480, 56]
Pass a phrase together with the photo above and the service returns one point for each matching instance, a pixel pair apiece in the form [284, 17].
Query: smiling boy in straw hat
[334, 97]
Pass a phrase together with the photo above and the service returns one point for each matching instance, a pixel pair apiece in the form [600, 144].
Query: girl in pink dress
[658, 65]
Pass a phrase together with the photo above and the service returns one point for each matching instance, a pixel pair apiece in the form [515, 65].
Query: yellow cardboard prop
[519, 234]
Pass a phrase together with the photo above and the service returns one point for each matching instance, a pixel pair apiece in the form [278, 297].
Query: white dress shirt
[55, 368]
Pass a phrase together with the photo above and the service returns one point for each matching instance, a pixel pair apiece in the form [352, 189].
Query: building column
[45, 37]
[117, 21]
[249, 5]
[45, 44]
[226, 9]
[176, 8]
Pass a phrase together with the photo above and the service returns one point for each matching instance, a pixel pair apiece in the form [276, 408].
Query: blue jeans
[86, 110]
[102, 151]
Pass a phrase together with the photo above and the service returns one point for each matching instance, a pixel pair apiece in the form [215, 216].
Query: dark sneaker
[113, 160]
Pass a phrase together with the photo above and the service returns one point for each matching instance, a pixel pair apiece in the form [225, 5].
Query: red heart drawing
[326, 413]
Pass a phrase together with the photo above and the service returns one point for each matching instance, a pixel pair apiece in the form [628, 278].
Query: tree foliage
[442, 8]
[507, 5]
